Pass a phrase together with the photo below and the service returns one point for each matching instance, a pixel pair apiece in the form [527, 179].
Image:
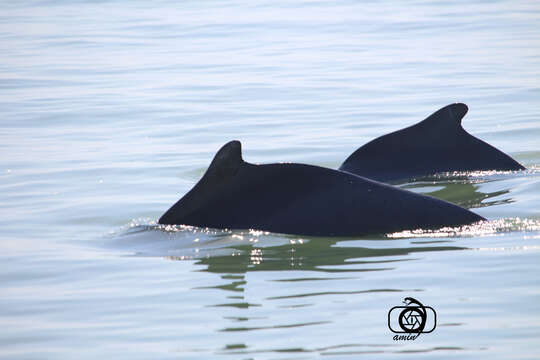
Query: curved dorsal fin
[436, 144]
[227, 160]
[450, 115]
[221, 171]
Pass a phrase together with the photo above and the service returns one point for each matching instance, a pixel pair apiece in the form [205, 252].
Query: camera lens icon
[414, 318]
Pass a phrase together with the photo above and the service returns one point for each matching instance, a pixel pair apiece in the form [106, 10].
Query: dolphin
[437, 144]
[303, 199]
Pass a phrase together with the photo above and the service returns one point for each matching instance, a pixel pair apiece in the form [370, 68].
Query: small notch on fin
[449, 115]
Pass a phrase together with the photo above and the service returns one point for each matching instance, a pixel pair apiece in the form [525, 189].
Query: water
[111, 111]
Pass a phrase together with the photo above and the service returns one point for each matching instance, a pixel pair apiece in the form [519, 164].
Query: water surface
[110, 111]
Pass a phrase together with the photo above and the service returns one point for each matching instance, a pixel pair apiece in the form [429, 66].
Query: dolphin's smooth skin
[304, 200]
[435, 145]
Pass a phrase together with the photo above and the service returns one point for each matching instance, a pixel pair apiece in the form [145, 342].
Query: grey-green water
[110, 111]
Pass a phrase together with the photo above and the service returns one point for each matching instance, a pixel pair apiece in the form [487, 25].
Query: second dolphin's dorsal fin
[227, 161]
[436, 144]
[446, 117]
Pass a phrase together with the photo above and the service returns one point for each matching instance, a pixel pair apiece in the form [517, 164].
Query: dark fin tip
[458, 111]
[225, 165]
[227, 160]
[448, 116]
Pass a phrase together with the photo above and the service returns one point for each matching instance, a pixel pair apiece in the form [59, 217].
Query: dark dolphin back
[304, 199]
[437, 144]
[235, 194]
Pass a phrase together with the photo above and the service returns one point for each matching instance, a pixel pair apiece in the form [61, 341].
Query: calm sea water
[111, 111]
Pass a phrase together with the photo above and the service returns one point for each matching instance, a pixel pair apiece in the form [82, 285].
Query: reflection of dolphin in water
[318, 255]
[461, 193]
[434, 145]
[320, 259]
[304, 199]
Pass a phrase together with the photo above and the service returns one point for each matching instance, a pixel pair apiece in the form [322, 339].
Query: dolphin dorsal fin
[227, 161]
[448, 116]
[221, 171]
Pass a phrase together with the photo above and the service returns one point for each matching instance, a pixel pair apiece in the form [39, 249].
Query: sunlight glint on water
[111, 111]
